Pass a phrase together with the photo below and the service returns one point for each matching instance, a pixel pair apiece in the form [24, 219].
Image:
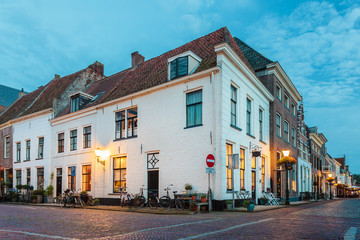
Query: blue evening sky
[316, 42]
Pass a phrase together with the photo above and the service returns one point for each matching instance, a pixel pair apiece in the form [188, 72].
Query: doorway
[253, 184]
[58, 181]
[153, 182]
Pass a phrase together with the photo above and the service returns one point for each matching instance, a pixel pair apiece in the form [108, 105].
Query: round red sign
[210, 160]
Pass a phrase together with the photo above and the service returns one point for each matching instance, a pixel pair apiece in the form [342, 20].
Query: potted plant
[229, 204]
[188, 188]
[49, 193]
[249, 204]
[203, 198]
[194, 196]
[84, 196]
[39, 195]
[96, 201]
[263, 201]
[193, 206]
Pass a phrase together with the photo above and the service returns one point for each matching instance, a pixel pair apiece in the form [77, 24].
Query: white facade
[304, 175]
[31, 129]
[181, 151]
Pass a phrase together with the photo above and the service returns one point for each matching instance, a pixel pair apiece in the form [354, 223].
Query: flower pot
[203, 200]
[40, 198]
[251, 207]
[194, 198]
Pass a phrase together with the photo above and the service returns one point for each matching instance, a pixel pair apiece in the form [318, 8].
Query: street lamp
[98, 154]
[330, 179]
[288, 166]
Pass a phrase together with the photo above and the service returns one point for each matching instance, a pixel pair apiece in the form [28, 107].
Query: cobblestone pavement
[321, 220]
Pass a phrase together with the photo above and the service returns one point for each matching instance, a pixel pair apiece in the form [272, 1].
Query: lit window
[194, 109]
[86, 177]
[72, 178]
[233, 105]
[40, 178]
[179, 67]
[119, 174]
[242, 168]
[228, 170]
[263, 173]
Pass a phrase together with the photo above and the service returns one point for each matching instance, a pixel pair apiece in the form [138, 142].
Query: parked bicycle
[126, 198]
[71, 199]
[178, 202]
[153, 200]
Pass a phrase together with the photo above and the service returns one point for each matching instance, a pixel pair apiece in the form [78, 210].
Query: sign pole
[232, 186]
[209, 194]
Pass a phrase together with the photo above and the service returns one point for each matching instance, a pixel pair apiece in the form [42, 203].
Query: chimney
[57, 76]
[136, 59]
[98, 67]
[21, 93]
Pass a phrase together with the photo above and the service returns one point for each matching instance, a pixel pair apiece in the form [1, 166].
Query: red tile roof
[2, 108]
[154, 71]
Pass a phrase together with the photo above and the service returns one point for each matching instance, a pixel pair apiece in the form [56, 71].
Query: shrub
[188, 186]
[247, 202]
[38, 192]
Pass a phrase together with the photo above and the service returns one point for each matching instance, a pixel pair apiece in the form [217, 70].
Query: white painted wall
[304, 175]
[32, 129]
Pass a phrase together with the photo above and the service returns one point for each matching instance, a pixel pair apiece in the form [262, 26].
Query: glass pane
[117, 186]
[132, 113]
[182, 66]
[116, 175]
[173, 69]
[120, 115]
[194, 97]
[123, 162]
[190, 116]
[198, 114]
[123, 175]
[117, 163]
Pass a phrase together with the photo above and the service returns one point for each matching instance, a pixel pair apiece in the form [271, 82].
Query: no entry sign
[210, 160]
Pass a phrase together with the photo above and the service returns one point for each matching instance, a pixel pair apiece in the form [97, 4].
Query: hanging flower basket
[287, 161]
[330, 179]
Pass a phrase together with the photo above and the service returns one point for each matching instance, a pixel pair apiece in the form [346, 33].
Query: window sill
[122, 139]
[39, 158]
[263, 142]
[250, 135]
[235, 127]
[279, 136]
[114, 194]
[17, 162]
[28, 160]
[199, 125]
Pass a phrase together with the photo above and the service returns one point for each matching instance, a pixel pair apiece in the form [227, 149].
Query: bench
[199, 204]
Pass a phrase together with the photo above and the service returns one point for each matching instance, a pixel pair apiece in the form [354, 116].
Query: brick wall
[5, 162]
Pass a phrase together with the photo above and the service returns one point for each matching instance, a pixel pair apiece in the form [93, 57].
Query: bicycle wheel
[139, 201]
[153, 202]
[81, 202]
[180, 204]
[165, 202]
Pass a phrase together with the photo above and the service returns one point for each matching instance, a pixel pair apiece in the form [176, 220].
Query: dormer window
[179, 67]
[182, 65]
[79, 101]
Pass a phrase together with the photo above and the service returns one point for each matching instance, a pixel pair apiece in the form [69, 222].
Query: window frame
[263, 164]
[7, 146]
[27, 150]
[293, 136]
[242, 168]
[28, 176]
[87, 137]
[18, 177]
[40, 178]
[61, 142]
[177, 67]
[278, 125]
[86, 178]
[73, 140]
[131, 121]
[248, 116]
[121, 123]
[233, 105]
[195, 105]
[261, 124]
[286, 101]
[229, 151]
[18, 152]
[41, 147]
[278, 92]
[71, 179]
[122, 172]
[286, 131]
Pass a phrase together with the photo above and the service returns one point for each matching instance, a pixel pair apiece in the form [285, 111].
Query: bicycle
[125, 198]
[178, 202]
[152, 201]
[140, 200]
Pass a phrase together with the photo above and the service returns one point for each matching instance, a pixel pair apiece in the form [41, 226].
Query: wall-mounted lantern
[99, 154]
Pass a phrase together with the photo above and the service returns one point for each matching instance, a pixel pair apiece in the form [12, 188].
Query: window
[194, 109]
[72, 178]
[86, 177]
[73, 140]
[7, 147]
[119, 173]
[261, 125]
[242, 168]
[293, 109]
[60, 142]
[228, 170]
[87, 137]
[28, 176]
[293, 136]
[120, 125]
[41, 148]
[179, 67]
[27, 150]
[286, 101]
[18, 152]
[263, 174]
[253, 162]
[18, 177]
[233, 105]
[278, 92]
[278, 125]
[132, 122]
[248, 116]
[286, 130]
[75, 103]
[40, 178]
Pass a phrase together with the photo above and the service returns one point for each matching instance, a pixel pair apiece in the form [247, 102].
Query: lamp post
[330, 180]
[286, 154]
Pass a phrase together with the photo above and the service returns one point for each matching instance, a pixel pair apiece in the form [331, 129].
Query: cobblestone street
[321, 220]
